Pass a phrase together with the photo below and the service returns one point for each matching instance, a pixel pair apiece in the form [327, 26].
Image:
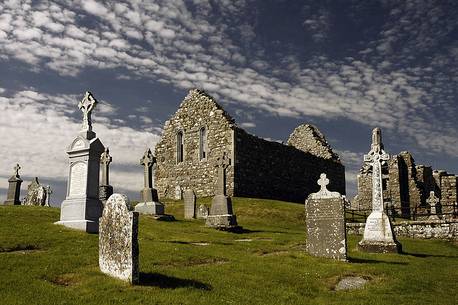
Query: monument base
[378, 235]
[88, 226]
[12, 202]
[222, 222]
[379, 247]
[150, 208]
[105, 191]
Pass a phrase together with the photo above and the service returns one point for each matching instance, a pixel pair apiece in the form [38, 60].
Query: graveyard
[184, 262]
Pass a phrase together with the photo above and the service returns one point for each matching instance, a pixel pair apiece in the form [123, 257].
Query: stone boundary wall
[265, 169]
[423, 229]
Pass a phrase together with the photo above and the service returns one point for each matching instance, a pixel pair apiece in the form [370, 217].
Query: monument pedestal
[221, 216]
[151, 208]
[105, 191]
[14, 190]
[81, 213]
[378, 235]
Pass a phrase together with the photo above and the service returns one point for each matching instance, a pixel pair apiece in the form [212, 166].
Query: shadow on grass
[169, 282]
[357, 260]
[428, 255]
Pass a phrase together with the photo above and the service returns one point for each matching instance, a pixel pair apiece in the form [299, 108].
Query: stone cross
[48, 194]
[105, 160]
[148, 160]
[86, 106]
[433, 201]
[222, 163]
[376, 156]
[16, 170]
[323, 183]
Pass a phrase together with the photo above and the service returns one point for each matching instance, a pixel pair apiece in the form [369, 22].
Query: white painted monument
[82, 208]
[378, 233]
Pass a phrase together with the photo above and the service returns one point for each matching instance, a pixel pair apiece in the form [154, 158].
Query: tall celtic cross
[16, 170]
[148, 160]
[376, 156]
[222, 163]
[105, 160]
[86, 106]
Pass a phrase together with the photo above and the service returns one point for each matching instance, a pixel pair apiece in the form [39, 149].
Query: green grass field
[183, 262]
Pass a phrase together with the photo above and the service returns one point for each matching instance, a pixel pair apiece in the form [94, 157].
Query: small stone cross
[16, 170]
[148, 160]
[433, 201]
[105, 160]
[86, 106]
[323, 183]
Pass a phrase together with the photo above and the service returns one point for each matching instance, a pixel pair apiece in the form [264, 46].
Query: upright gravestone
[118, 242]
[202, 212]
[178, 193]
[433, 203]
[221, 215]
[36, 194]
[14, 188]
[378, 233]
[105, 189]
[325, 214]
[48, 195]
[82, 207]
[189, 200]
[149, 199]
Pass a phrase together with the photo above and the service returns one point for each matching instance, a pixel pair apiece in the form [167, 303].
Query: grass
[183, 262]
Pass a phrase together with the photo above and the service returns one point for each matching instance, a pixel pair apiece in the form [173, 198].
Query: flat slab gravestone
[189, 200]
[118, 239]
[325, 214]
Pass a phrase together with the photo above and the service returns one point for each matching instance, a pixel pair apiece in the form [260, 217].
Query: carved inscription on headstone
[78, 179]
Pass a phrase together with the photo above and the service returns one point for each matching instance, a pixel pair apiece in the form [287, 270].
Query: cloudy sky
[345, 66]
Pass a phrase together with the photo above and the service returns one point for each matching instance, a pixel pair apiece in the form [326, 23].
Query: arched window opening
[180, 146]
[202, 143]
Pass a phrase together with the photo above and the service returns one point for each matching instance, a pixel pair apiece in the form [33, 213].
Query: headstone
[36, 194]
[378, 233]
[221, 215]
[178, 193]
[82, 207]
[48, 195]
[118, 242]
[433, 203]
[202, 212]
[325, 214]
[149, 203]
[14, 188]
[105, 189]
[189, 199]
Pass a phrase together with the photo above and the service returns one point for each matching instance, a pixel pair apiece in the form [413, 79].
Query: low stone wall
[423, 229]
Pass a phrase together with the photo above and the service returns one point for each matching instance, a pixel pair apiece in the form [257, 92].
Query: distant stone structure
[407, 186]
[200, 131]
[36, 194]
[105, 189]
[189, 202]
[378, 233]
[82, 207]
[118, 239]
[325, 218]
[14, 188]
[221, 215]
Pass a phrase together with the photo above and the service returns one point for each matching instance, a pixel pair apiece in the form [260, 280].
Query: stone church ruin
[201, 131]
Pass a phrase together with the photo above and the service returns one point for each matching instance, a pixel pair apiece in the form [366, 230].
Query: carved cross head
[16, 170]
[432, 200]
[105, 158]
[88, 103]
[223, 161]
[148, 159]
[323, 182]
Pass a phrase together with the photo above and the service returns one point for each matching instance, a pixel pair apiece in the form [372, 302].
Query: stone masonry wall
[196, 111]
[267, 169]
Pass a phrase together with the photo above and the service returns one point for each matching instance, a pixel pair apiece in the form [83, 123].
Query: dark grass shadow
[422, 255]
[20, 248]
[169, 282]
[357, 260]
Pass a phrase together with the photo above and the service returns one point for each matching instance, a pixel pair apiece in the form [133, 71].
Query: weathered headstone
[178, 193]
[221, 215]
[118, 239]
[48, 195]
[36, 194]
[202, 212]
[105, 189]
[82, 207]
[14, 188]
[149, 203]
[189, 200]
[325, 214]
[433, 203]
[378, 233]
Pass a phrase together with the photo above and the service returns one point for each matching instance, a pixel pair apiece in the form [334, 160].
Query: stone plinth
[325, 214]
[118, 239]
[150, 203]
[378, 235]
[221, 215]
[14, 191]
[189, 202]
[105, 191]
[82, 207]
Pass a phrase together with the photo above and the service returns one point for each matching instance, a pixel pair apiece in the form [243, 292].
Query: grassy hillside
[183, 262]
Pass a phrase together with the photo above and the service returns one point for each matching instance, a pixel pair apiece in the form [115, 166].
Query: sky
[344, 66]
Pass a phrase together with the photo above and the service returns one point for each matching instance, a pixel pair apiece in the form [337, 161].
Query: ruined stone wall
[265, 169]
[196, 111]
[448, 190]
[414, 190]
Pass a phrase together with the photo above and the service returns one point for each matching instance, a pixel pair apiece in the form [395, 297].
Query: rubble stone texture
[14, 188]
[325, 218]
[118, 239]
[259, 168]
[189, 200]
[36, 194]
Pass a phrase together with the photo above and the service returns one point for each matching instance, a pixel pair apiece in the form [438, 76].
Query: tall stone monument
[118, 239]
[36, 194]
[48, 195]
[221, 215]
[189, 202]
[105, 189]
[14, 188]
[82, 207]
[433, 203]
[325, 214]
[149, 203]
[378, 233]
